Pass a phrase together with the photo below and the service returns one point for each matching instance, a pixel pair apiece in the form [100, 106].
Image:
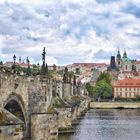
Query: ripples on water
[107, 124]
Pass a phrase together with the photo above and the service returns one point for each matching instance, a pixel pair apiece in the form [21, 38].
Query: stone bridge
[29, 99]
[23, 96]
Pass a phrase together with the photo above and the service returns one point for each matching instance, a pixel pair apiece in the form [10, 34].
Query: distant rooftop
[23, 64]
[90, 64]
[128, 82]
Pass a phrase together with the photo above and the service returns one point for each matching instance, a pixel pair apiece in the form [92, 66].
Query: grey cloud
[101, 54]
[70, 30]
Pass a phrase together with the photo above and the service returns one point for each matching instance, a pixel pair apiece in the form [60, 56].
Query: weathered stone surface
[126, 105]
[67, 90]
[44, 127]
[10, 126]
[64, 117]
[34, 96]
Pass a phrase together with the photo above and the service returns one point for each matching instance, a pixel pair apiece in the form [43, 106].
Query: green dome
[126, 60]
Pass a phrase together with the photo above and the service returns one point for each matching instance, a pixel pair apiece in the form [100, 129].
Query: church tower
[118, 60]
[126, 62]
[124, 54]
[112, 63]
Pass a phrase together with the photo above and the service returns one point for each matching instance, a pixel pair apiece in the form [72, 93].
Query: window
[126, 67]
[134, 89]
[125, 94]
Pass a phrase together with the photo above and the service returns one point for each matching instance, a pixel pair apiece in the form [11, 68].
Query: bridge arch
[15, 105]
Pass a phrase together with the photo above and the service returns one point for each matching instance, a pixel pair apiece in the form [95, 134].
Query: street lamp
[14, 65]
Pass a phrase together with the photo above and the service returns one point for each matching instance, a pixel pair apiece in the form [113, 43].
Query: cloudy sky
[71, 30]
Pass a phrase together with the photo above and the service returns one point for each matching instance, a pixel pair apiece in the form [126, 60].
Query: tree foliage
[105, 76]
[103, 90]
[90, 89]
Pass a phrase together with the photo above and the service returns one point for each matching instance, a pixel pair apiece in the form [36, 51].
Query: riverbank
[114, 105]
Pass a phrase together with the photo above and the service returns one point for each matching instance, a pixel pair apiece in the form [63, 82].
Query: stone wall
[114, 105]
[11, 132]
[44, 127]
[82, 108]
[36, 96]
[64, 117]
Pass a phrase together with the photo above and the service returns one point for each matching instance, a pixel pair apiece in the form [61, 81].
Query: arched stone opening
[15, 105]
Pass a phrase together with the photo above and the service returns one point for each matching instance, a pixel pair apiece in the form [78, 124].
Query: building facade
[124, 64]
[127, 88]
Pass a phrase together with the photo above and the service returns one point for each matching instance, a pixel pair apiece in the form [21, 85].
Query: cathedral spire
[118, 55]
[125, 54]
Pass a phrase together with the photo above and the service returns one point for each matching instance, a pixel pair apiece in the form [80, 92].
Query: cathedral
[122, 63]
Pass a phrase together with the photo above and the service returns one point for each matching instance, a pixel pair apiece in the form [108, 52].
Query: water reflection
[111, 124]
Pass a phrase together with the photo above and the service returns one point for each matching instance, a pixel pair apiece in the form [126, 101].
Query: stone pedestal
[67, 90]
[64, 117]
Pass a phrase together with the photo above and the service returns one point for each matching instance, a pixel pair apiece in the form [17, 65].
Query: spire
[125, 54]
[118, 54]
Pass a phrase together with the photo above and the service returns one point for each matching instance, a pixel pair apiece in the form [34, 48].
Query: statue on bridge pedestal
[44, 69]
[14, 64]
[66, 76]
[28, 69]
[74, 80]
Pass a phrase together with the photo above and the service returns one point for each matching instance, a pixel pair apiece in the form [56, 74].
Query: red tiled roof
[137, 62]
[90, 64]
[10, 63]
[128, 82]
[18, 64]
[24, 64]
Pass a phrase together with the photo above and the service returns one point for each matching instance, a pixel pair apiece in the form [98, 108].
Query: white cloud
[72, 31]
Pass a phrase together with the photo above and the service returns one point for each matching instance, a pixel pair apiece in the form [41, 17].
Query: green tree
[103, 90]
[90, 89]
[105, 76]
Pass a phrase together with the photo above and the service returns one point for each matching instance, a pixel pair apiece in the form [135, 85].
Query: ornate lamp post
[14, 65]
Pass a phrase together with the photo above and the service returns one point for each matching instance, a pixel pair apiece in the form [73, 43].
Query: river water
[107, 124]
